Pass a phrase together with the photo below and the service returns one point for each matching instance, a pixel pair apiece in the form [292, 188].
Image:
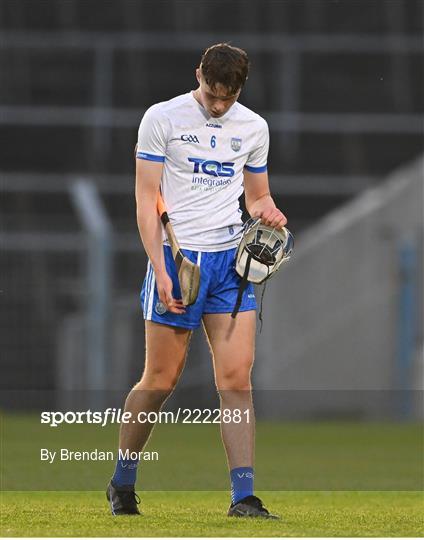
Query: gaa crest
[235, 144]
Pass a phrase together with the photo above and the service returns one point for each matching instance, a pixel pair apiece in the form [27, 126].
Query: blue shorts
[219, 285]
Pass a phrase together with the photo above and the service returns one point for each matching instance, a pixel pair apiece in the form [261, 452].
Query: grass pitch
[327, 479]
[185, 514]
[296, 456]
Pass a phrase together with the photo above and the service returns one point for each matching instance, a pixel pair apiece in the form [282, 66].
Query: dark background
[339, 81]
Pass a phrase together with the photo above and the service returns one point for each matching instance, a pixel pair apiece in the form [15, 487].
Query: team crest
[235, 144]
[160, 308]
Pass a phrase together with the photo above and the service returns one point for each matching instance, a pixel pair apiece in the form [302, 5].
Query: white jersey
[203, 159]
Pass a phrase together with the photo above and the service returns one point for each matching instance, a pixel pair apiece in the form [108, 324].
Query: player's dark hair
[227, 65]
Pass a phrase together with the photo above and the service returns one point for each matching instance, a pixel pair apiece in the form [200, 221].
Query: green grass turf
[86, 514]
[327, 479]
[304, 456]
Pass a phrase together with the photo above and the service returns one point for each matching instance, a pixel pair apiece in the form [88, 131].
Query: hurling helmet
[261, 252]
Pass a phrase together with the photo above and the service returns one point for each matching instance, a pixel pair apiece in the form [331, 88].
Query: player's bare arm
[259, 202]
[148, 175]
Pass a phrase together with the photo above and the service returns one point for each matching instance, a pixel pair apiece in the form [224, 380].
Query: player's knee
[163, 380]
[237, 378]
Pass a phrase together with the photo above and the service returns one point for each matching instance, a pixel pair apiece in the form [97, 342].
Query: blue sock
[125, 472]
[241, 483]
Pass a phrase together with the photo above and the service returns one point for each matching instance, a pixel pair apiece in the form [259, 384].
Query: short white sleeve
[257, 160]
[152, 135]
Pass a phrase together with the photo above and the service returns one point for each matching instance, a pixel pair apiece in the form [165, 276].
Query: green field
[323, 478]
[203, 514]
[301, 456]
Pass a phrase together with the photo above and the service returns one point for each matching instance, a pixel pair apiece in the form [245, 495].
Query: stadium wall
[343, 320]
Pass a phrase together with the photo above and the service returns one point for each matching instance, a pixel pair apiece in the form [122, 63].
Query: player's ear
[198, 75]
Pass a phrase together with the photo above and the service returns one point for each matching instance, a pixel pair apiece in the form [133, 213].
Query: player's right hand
[164, 287]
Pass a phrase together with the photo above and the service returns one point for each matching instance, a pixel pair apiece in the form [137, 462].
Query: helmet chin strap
[243, 285]
[260, 311]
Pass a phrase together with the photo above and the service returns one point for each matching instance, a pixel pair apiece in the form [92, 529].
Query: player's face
[217, 100]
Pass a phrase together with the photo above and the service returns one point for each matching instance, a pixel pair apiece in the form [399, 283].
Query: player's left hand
[265, 209]
[272, 216]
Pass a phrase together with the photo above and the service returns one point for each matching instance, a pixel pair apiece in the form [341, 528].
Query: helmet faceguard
[266, 247]
[261, 252]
